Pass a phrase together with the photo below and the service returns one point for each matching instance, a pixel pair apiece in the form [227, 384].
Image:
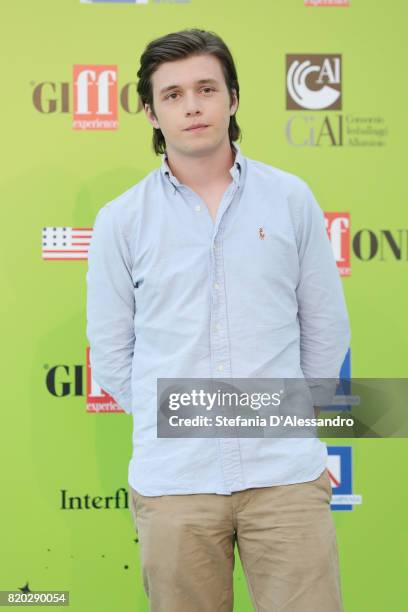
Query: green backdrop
[57, 176]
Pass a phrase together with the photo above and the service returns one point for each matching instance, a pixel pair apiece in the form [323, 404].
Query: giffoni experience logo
[93, 97]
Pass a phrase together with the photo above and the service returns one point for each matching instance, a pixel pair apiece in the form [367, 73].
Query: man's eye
[171, 95]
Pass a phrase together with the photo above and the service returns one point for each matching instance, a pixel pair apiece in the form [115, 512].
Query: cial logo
[313, 82]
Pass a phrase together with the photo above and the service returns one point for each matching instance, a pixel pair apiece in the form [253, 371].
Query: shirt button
[216, 286]
[198, 208]
[221, 367]
[217, 327]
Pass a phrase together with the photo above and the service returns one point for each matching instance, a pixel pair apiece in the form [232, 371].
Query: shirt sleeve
[324, 324]
[110, 308]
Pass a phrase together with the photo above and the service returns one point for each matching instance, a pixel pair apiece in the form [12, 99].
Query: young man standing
[217, 265]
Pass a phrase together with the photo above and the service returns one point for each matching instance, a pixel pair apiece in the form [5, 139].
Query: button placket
[229, 449]
[221, 362]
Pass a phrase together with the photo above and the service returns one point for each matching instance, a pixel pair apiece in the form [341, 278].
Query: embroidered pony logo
[261, 233]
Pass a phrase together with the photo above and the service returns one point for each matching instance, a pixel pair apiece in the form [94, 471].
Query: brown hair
[178, 45]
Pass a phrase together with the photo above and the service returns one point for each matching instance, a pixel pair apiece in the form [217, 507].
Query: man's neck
[204, 170]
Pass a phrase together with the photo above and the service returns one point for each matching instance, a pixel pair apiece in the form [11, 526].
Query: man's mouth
[196, 128]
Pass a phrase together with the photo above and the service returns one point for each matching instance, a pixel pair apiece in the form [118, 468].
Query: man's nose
[192, 104]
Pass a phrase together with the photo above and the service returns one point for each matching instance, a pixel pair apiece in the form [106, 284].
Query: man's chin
[202, 147]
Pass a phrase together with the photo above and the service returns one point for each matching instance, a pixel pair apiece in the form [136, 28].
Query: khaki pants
[286, 541]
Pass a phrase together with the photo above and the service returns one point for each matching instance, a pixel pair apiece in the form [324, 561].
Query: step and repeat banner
[323, 96]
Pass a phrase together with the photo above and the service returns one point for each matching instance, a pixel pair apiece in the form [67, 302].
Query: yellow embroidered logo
[261, 233]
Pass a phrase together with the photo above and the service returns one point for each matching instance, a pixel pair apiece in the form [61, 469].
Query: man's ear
[235, 103]
[150, 116]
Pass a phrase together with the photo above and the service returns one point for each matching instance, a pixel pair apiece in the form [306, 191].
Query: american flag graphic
[60, 243]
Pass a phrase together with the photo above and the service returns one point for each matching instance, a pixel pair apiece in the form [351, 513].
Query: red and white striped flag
[66, 242]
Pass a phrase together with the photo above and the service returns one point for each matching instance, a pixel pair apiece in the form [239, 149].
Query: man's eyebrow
[199, 82]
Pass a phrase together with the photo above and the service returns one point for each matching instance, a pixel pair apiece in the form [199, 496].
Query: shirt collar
[235, 170]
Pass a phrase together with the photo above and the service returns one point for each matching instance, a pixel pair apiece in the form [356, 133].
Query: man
[217, 266]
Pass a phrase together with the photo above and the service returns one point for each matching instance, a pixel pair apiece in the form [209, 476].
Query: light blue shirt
[171, 294]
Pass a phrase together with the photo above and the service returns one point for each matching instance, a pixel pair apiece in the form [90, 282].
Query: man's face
[191, 91]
